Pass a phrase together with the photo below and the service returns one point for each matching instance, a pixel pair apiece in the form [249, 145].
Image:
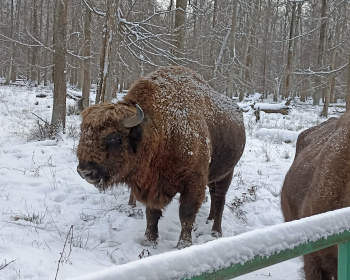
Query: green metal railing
[260, 262]
[246, 252]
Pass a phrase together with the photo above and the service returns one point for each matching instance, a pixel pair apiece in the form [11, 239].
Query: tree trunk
[16, 32]
[8, 77]
[348, 87]
[331, 78]
[87, 59]
[47, 42]
[265, 40]
[289, 64]
[35, 50]
[113, 50]
[106, 72]
[323, 29]
[232, 50]
[212, 43]
[102, 71]
[179, 30]
[59, 96]
[249, 48]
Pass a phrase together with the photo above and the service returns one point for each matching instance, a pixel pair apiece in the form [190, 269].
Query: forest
[281, 48]
[55, 225]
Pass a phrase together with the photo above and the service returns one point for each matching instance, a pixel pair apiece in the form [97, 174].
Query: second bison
[318, 181]
[171, 134]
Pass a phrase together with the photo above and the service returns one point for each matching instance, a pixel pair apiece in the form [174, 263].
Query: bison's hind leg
[132, 201]
[313, 268]
[218, 190]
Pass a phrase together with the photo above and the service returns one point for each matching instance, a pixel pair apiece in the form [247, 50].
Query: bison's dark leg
[190, 201]
[132, 201]
[218, 192]
[151, 234]
[313, 268]
[212, 204]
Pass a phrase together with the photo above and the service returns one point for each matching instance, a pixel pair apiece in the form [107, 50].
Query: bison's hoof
[183, 244]
[216, 234]
[149, 243]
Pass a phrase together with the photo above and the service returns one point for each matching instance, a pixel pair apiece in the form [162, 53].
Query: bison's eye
[113, 140]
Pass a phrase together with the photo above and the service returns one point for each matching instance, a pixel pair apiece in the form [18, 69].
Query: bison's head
[110, 136]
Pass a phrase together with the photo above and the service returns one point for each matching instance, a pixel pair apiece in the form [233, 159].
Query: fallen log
[280, 108]
[340, 105]
[41, 95]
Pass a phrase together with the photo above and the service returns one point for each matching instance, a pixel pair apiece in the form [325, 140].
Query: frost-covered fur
[191, 137]
[318, 181]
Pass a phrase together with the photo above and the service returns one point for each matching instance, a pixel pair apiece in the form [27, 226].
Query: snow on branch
[146, 38]
[93, 9]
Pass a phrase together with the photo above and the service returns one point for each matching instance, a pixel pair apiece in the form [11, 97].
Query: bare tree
[109, 32]
[212, 42]
[332, 70]
[321, 46]
[11, 72]
[87, 54]
[179, 30]
[34, 50]
[59, 96]
[46, 41]
[348, 86]
[289, 64]
[232, 49]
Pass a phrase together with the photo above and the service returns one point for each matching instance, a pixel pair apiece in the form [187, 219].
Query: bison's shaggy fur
[190, 137]
[318, 181]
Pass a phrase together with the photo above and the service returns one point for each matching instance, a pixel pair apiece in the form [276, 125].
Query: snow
[277, 134]
[266, 106]
[42, 196]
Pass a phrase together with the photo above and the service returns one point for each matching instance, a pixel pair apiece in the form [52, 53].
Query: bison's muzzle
[91, 173]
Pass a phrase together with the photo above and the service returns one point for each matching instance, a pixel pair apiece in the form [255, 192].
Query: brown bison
[318, 181]
[171, 134]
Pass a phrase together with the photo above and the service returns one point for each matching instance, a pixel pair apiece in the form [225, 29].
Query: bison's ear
[135, 137]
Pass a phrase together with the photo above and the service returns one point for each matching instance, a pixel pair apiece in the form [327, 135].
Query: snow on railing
[229, 257]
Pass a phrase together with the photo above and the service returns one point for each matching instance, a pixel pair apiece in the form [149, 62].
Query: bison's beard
[101, 185]
[107, 183]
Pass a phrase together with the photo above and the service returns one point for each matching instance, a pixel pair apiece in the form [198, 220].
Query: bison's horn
[80, 104]
[136, 119]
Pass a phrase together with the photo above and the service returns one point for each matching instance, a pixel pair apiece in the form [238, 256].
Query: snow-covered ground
[55, 225]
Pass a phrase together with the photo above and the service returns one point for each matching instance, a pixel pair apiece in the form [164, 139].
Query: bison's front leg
[151, 233]
[189, 205]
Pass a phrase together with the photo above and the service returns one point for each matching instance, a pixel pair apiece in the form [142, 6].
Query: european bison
[171, 134]
[318, 181]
